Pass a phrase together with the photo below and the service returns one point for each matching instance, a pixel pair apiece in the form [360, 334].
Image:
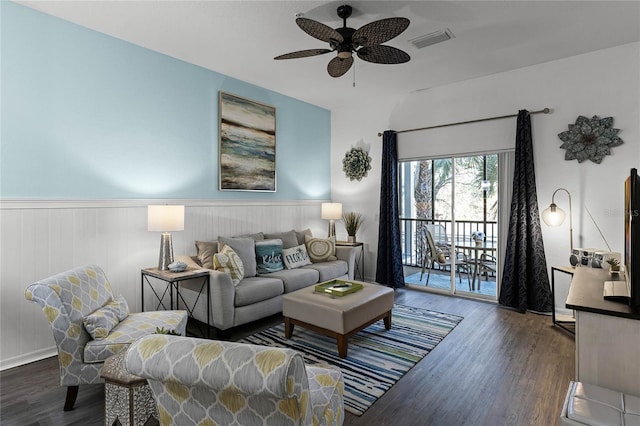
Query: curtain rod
[543, 111]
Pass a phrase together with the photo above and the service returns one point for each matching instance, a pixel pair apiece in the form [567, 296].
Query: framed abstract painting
[247, 144]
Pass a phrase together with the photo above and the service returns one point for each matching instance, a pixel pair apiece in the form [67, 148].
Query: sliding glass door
[449, 212]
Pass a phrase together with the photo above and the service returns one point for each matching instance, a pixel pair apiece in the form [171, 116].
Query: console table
[607, 334]
[358, 273]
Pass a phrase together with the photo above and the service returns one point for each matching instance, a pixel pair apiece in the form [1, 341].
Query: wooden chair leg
[72, 393]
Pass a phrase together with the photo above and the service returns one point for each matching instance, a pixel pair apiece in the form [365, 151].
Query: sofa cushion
[295, 257]
[256, 289]
[229, 262]
[330, 270]
[258, 236]
[245, 248]
[295, 279]
[321, 249]
[133, 327]
[302, 234]
[269, 256]
[289, 239]
[205, 251]
[100, 322]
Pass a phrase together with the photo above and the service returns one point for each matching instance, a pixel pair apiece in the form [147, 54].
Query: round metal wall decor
[356, 164]
[590, 139]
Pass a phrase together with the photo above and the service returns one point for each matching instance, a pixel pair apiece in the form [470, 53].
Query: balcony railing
[412, 249]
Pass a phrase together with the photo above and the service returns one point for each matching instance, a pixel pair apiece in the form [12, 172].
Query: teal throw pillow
[269, 256]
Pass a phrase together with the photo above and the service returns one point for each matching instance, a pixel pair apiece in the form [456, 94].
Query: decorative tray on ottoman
[338, 287]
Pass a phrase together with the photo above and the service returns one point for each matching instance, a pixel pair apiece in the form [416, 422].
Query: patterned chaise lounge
[197, 382]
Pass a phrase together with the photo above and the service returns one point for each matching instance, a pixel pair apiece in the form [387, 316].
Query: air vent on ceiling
[432, 38]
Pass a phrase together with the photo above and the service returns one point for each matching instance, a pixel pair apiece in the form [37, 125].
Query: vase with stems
[352, 222]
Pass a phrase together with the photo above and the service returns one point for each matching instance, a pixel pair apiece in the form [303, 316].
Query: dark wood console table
[607, 334]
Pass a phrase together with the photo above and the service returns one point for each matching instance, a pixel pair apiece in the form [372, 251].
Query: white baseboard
[17, 361]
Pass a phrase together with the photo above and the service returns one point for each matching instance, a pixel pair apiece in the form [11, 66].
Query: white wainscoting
[41, 238]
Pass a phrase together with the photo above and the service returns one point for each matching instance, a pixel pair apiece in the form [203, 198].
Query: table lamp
[165, 218]
[554, 215]
[332, 212]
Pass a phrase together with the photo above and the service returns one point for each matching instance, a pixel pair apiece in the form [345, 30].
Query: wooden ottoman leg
[288, 327]
[343, 345]
[387, 321]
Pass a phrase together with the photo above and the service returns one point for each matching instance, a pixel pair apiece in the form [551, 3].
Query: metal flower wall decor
[356, 164]
[590, 139]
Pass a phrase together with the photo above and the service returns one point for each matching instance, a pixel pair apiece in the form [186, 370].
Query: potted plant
[478, 237]
[162, 330]
[614, 264]
[352, 222]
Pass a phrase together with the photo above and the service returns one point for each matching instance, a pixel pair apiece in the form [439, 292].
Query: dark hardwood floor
[497, 367]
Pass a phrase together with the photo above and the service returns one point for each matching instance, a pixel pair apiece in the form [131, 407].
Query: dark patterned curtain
[525, 283]
[389, 265]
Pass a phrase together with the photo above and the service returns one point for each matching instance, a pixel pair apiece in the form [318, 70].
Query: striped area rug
[377, 358]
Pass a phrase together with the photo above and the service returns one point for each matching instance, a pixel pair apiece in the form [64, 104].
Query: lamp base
[332, 228]
[166, 252]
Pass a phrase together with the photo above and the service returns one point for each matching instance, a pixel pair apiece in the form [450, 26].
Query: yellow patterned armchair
[198, 382]
[89, 324]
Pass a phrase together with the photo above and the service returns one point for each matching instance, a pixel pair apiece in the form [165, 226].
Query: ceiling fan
[366, 42]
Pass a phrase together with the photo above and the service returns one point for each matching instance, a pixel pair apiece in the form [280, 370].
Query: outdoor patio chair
[442, 256]
[488, 265]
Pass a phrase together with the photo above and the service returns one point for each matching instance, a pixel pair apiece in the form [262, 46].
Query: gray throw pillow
[289, 239]
[302, 234]
[245, 248]
[258, 236]
[205, 251]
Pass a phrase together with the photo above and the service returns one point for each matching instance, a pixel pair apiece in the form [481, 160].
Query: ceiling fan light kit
[365, 42]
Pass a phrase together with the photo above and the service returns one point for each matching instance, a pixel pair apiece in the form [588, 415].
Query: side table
[359, 266]
[128, 398]
[172, 284]
[566, 322]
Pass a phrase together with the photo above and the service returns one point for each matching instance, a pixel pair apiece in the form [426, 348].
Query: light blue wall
[88, 116]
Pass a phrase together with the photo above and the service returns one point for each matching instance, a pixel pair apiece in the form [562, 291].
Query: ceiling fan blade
[383, 55]
[318, 30]
[338, 66]
[303, 54]
[378, 32]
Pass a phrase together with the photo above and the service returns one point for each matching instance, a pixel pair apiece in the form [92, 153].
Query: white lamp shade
[331, 211]
[553, 215]
[165, 218]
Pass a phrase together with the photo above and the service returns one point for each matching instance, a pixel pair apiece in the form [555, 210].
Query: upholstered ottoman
[127, 398]
[588, 404]
[338, 317]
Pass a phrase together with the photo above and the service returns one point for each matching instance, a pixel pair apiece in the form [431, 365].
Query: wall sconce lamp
[164, 219]
[331, 212]
[554, 215]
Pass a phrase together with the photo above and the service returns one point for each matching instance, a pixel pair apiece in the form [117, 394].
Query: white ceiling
[240, 39]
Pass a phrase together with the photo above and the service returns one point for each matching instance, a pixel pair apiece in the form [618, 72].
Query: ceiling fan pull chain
[354, 74]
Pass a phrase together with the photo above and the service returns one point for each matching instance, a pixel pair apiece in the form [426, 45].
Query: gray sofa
[257, 295]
